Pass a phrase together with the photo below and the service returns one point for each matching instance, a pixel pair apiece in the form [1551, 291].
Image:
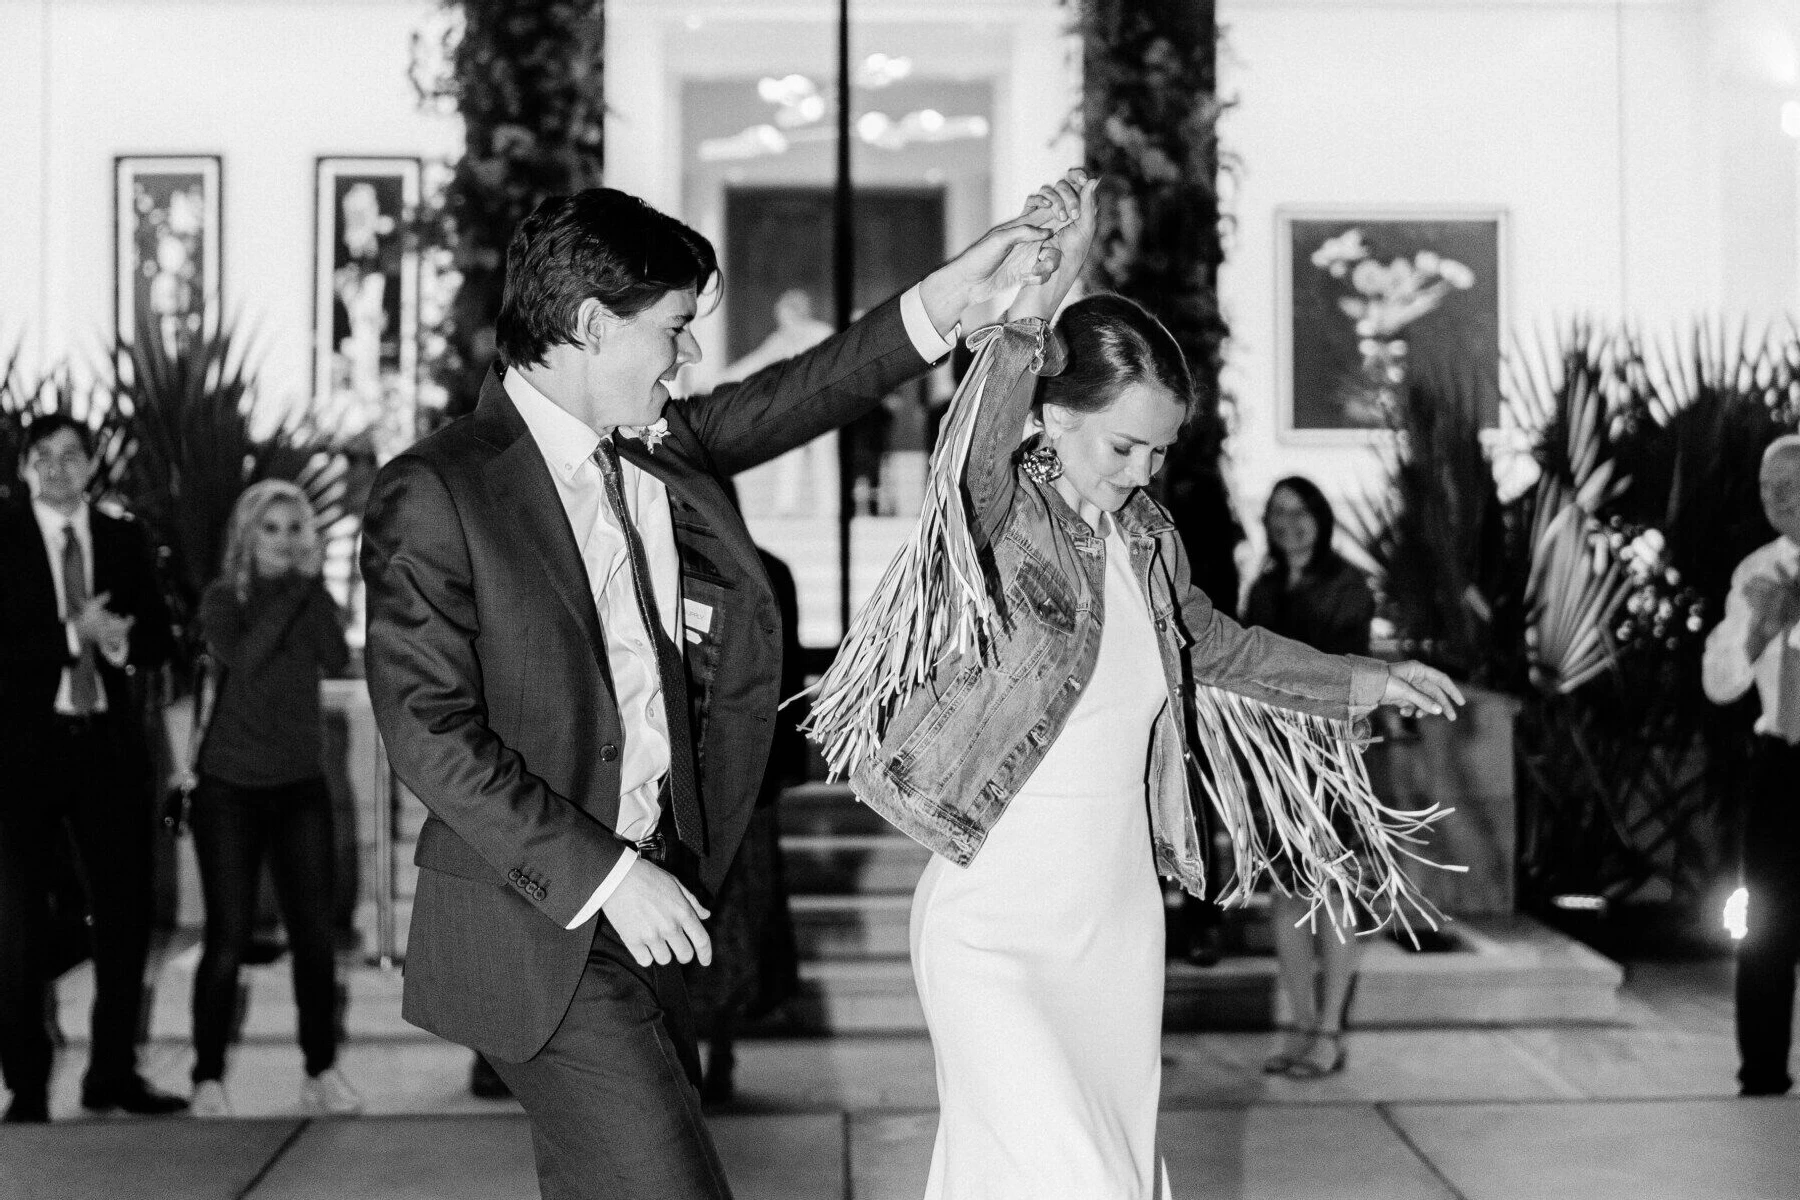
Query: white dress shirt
[53, 526]
[1726, 670]
[568, 449]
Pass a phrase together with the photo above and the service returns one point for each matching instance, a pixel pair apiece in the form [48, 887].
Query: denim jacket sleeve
[1273, 669]
[1010, 357]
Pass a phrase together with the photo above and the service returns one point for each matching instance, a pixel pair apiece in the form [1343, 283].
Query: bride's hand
[1069, 208]
[1413, 687]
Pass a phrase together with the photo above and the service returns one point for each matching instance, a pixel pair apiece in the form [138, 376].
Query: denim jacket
[961, 747]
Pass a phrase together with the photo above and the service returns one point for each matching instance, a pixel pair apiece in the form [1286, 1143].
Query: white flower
[651, 435]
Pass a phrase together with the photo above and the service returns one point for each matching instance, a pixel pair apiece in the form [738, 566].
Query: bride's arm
[1022, 348]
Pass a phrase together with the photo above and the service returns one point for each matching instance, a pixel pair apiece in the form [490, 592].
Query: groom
[574, 656]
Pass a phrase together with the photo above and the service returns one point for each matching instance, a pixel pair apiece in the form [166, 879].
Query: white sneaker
[210, 1100]
[330, 1093]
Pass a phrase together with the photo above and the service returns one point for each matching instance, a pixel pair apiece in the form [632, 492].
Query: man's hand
[657, 918]
[1413, 687]
[1774, 608]
[98, 626]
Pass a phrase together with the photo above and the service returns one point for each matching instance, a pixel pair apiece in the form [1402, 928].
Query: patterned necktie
[684, 789]
[84, 679]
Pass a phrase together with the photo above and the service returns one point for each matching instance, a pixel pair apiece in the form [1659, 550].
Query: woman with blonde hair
[273, 632]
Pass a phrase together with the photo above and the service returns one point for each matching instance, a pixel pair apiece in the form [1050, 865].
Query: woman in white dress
[1046, 763]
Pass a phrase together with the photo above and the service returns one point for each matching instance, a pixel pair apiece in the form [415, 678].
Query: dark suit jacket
[488, 673]
[34, 647]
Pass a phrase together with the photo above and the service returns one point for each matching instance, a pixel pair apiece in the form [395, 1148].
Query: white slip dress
[1040, 965]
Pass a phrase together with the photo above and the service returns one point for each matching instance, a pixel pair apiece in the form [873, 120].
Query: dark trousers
[615, 1114]
[82, 782]
[235, 830]
[1768, 954]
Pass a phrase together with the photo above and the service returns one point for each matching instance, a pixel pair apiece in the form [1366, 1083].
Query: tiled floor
[1643, 1108]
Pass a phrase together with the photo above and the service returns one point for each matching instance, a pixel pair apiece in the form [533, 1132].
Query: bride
[1047, 765]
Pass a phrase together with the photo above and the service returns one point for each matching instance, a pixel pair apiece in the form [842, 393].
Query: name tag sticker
[698, 616]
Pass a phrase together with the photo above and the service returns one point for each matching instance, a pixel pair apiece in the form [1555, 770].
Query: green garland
[1150, 112]
[528, 81]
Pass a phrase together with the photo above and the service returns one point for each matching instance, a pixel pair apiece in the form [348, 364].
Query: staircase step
[852, 862]
[851, 927]
[815, 809]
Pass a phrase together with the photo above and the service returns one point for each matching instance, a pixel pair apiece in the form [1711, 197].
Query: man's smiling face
[637, 357]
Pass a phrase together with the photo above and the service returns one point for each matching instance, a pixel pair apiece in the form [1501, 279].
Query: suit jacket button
[608, 752]
[513, 874]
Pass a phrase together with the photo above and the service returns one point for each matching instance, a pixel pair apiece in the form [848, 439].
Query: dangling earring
[1041, 463]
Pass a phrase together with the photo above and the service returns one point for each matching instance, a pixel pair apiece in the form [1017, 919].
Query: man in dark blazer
[80, 615]
[574, 657]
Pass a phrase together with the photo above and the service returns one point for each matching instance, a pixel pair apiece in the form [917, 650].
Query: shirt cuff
[926, 339]
[74, 641]
[607, 887]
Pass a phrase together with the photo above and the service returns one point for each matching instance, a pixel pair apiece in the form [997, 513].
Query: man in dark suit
[80, 615]
[574, 657]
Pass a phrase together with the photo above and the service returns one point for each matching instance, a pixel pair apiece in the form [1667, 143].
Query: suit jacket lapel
[677, 462]
[519, 480]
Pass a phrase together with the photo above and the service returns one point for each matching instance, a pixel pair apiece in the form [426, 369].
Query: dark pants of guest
[235, 830]
[615, 1114]
[1768, 954]
[81, 782]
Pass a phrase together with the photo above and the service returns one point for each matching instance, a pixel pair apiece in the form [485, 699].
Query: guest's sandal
[1324, 1055]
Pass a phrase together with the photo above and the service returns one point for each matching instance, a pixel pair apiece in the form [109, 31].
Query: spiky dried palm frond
[1434, 528]
[199, 438]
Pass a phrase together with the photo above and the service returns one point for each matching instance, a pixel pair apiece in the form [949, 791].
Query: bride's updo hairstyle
[1113, 343]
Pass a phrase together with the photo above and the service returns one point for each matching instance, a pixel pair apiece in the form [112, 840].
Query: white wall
[1588, 122]
[1636, 144]
[267, 86]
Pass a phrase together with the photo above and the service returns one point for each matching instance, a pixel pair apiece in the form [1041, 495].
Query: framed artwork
[166, 233]
[366, 300]
[1366, 297]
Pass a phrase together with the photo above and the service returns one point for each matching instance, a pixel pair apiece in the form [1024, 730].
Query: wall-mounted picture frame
[366, 300]
[167, 238]
[1366, 297]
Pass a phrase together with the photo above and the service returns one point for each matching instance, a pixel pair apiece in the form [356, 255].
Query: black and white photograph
[166, 212]
[366, 299]
[1365, 299]
[866, 600]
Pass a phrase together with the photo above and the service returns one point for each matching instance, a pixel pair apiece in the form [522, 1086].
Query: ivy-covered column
[528, 82]
[1150, 112]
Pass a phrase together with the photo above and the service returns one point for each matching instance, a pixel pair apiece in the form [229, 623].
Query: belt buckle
[653, 847]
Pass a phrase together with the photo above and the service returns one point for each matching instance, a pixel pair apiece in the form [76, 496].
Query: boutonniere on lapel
[650, 435]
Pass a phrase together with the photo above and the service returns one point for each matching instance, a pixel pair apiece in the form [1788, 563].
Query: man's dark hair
[46, 424]
[599, 244]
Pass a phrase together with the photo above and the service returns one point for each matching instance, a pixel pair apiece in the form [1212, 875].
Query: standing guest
[574, 659]
[275, 632]
[1309, 593]
[80, 614]
[1758, 642]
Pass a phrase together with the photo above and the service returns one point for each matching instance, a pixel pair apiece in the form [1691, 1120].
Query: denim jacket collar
[1141, 516]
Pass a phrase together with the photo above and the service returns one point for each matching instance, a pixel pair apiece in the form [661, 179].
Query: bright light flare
[1737, 914]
